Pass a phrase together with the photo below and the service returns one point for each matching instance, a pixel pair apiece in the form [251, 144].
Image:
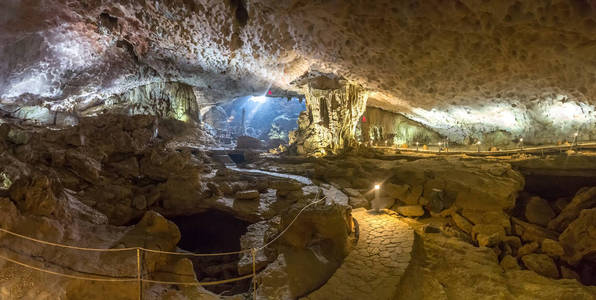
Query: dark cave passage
[551, 187]
[214, 232]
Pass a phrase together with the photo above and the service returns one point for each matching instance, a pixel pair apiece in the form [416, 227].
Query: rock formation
[333, 108]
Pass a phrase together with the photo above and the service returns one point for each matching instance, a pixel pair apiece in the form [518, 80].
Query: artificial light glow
[521, 139]
[575, 134]
[258, 99]
[478, 143]
[377, 186]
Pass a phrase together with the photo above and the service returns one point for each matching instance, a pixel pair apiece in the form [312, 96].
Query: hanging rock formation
[333, 108]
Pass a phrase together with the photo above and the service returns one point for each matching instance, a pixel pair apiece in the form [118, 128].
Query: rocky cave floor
[520, 227]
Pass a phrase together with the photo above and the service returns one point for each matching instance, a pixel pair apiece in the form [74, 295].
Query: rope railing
[139, 279]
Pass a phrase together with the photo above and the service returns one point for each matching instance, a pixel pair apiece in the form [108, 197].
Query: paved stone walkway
[374, 267]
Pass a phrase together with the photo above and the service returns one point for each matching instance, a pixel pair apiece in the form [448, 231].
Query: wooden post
[139, 273]
[254, 273]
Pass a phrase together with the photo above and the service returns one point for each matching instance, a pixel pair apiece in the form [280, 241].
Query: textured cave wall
[331, 116]
[171, 100]
[414, 56]
[379, 126]
[548, 119]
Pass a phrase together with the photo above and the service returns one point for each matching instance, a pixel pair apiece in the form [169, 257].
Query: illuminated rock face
[380, 125]
[166, 100]
[331, 117]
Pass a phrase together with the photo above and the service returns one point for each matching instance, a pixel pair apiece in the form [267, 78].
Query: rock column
[330, 120]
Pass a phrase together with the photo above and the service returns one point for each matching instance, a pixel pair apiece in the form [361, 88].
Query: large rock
[152, 232]
[509, 263]
[247, 195]
[84, 166]
[462, 223]
[585, 198]
[538, 211]
[541, 264]
[527, 249]
[34, 195]
[483, 216]
[579, 239]
[410, 210]
[552, 248]
[531, 232]
[488, 235]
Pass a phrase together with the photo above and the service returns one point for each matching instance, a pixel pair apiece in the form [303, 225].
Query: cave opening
[553, 187]
[214, 231]
[268, 119]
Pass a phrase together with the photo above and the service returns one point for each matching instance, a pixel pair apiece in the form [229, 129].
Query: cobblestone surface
[374, 267]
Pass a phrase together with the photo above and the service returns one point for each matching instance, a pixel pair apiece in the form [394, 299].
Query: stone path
[374, 267]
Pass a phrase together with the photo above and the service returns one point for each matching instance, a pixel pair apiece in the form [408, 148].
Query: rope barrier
[107, 279]
[139, 278]
[67, 246]
[199, 283]
[195, 254]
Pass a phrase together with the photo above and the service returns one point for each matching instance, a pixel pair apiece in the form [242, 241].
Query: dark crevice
[214, 232]
[108, 21]
[126, 45]
[240, 12]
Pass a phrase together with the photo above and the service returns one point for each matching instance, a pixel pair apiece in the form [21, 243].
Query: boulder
[357, 202]
[584, 198]
[352, 192]
[487, 216]
[513, 241]
[462, 223]
[552, 248]
[527, 249]
[579, 239]
[410, 210]
[488, 235]
[84, 166]
[247, 195]
[396, 191]
[538, 211]
[509, 263]
[34, 195]
[531, 232]
[436, 201]
[541, 264]
[413, 195]
[152, 232]
[127, 168]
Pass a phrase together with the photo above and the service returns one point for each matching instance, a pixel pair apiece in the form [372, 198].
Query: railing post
[139, 274]
[254, 273]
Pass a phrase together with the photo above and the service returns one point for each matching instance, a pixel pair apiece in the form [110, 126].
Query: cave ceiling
[422, 58]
